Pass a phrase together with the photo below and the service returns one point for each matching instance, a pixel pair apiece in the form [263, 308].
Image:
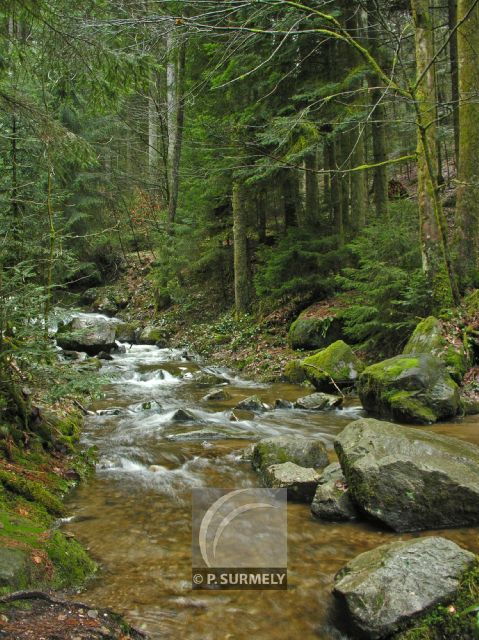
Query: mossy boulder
[153, 335]
[90, 335]
[335, 365]
[126, 332]
[294, 372]
[429, 337]
[409, 388]
[312, 332]
[305, 452]
[410, 479]
[386, 589]
[15, 569]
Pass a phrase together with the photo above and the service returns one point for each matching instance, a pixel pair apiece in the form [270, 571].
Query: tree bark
[453, 54]
[175, 115]
[153, 132]
[468, 190]
[435, 255]
[311, 204]
[241, 262]
[336, 199]
[378, 126]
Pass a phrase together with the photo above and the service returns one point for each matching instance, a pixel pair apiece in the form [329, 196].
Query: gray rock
[217, 394]
[409, 388]
[301, 482]
[283, 404]
[183, 415]
[386, 589]
[410, 479]
[15, 568]
[252, 403]
[318, 402]
[332, 500]
[305, 452]
[104, 356]
[85, 334]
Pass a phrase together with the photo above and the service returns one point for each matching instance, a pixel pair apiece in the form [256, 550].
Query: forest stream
[134, 515]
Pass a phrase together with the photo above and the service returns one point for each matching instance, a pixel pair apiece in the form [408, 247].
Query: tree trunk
[240, 239]
[453, 53]
[153, 133]
[336, 199]
[378, 126]
[435, 255]
[311, 204]
[468, 190]
[290, 198]
[175, 115]
[359, 189]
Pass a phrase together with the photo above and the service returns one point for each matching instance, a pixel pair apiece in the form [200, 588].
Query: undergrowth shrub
[387, 285]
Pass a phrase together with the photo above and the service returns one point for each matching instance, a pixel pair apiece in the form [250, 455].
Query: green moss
[294, 372]
[449, 620]
[31, 490]
[389, 370]
[336, 363]
[405, 405]
[71, 562]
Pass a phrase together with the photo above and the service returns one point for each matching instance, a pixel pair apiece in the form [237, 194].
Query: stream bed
[134, 515]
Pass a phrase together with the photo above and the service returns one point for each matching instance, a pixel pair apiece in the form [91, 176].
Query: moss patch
[450, 619]
[337, 364]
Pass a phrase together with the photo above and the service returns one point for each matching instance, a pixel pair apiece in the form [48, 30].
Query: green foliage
[300, 267]
[387, 285]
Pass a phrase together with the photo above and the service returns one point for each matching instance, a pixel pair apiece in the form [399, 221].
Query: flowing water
[134, 515]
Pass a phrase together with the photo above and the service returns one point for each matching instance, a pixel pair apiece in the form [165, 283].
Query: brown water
[136, 522]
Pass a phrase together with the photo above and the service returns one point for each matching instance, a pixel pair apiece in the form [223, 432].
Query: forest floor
[257, 348]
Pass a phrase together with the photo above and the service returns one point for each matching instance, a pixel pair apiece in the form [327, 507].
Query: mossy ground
[33, 480]
[451, 620]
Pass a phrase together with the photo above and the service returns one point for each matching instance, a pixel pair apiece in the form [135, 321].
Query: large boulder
[332, 500]
[316, 328]
[305, 452]
[91, 335]
[409, 388]
[337, 365]
[410, 479]
[429, 337]
[300, 482]
[386, 589]
[294, 372]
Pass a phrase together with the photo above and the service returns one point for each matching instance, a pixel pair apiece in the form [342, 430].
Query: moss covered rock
[410, 388]
[385, 590]
[15, 569]
[153, 335]
[294, 372]
[429, 337]
[310, 332]
[90, 335]
[410, 479]
[126, 332]
[305, 452]
[337, 364]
